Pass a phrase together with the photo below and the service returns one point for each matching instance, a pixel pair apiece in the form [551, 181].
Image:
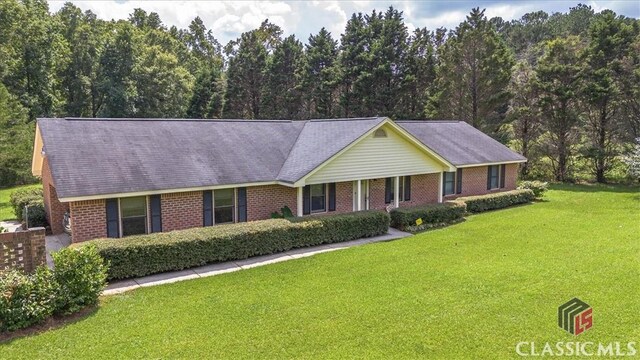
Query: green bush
[76, 281]
[34, 199]
[538, 187]
[81, 276]
[351, 226]
[159, 252]
[500, 200]
[431, 215]
[26, 299]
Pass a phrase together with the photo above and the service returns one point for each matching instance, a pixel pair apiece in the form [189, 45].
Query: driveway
[55, 243]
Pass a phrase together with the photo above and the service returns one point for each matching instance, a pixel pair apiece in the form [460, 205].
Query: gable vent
[380, 133]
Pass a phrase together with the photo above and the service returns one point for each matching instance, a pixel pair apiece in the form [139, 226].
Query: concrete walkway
[10, 225]
[118, 287]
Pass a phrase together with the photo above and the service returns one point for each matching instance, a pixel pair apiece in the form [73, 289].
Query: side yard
[471, 290]
[6, 211]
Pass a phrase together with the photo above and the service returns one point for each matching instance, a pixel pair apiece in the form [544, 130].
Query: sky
[228, 19]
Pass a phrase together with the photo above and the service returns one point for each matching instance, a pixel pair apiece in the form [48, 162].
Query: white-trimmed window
[449, 183]
[224, 206]
[401, 188]
[494, 177]
[318, 197]
[133, 215]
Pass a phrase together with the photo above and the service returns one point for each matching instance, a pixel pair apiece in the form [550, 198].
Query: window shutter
[242, 204]
[387, 191]
[407, 188]
[155, 206]
[459, 181]
[306, 200]
[332, 197]
[207, 208]
[503, 170]
[489, 177]
[113, 228]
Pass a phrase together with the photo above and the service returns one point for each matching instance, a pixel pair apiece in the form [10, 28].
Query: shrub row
[78, 278]
[427, 216]
[34, 199]
[159, 252]
[476, 204]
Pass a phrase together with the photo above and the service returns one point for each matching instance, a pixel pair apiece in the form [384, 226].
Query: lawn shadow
[51, 323]
[615, 188]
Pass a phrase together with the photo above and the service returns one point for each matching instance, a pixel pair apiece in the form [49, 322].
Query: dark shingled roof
[107, 156]
[460, 143]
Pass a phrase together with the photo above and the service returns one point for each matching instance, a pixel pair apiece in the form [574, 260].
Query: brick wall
[424, 190]
[88, 220]
[474, 181]
[263, 200]
[53, 207]
[23, 249]
[344, 197]
[181, 210]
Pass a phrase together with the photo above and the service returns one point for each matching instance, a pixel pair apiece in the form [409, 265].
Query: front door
[364, 195]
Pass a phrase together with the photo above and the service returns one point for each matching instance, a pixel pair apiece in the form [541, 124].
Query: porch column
[359, 196]
[299, 206]
[440, 187]
[396, 192]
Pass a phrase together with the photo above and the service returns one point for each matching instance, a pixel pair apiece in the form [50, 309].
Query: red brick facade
[264, 200]
[184, 210]
[54, 209]
[88, 220]
[474, 181]
[181, 210]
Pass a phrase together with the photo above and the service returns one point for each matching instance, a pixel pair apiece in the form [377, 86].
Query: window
[494, 176]
[449, 183]
[318, 197]
[224, 206]
[133, 215]
[403, 184]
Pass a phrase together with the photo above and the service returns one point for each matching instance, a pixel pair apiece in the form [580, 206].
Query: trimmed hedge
[142, 255]
[538, 187]
[34, 198]
[432, 215]
[78, 278]
[476, 204]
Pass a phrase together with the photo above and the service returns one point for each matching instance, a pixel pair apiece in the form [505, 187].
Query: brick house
[119, 177]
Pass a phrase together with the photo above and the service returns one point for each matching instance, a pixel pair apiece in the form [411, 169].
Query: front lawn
[472, 290]
[6, 210]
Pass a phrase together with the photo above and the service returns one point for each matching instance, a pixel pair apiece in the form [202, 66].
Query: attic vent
[380, 133]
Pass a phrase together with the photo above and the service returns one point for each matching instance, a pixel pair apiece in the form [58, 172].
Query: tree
[15, 141]
[320, 74]
[630, 89]
[352, 62]
[558, 81]
[609, 42]
[116, 84]
[474, 75]
[420, 74]
[524, 113]
[282, 97]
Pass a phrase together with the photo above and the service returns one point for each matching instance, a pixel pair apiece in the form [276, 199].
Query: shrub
[81, 276]
[500, 200]
[285, 213]
[159, 252]
[33, 198]
[538, 187]
[431, 215]
[26, 299]
[351, 226]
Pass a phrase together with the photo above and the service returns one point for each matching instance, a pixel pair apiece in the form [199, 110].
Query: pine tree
[474, 76]
[352, 62]
[609, 42]
[420, 74]
[558, 81]
[16, 141]
[282, 97]
[320, 75]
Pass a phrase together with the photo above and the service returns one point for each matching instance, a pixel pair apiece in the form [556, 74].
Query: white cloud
[227, 19]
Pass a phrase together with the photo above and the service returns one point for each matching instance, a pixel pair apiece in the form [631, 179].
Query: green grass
[6, 211]
[472, 290]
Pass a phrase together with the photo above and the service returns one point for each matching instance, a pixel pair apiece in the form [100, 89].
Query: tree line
[562, 88]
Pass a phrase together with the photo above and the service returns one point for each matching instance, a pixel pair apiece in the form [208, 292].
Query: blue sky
[228, 19]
